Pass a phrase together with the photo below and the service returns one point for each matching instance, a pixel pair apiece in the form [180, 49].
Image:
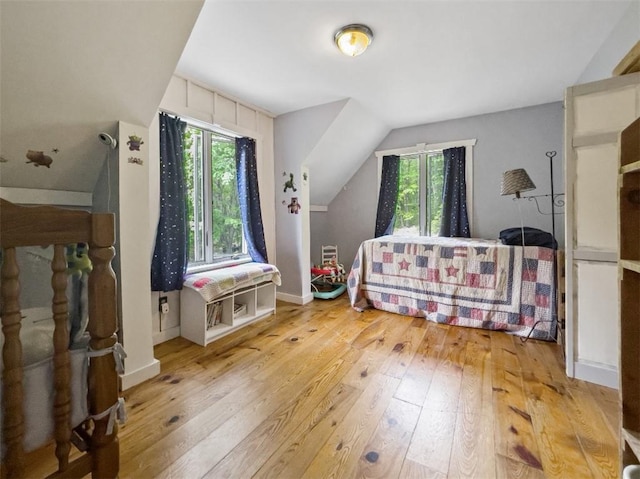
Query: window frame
[209, 263]
[422, 150]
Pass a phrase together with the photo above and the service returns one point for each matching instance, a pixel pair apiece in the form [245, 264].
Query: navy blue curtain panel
[455, 222]
[249, 198]
[169, 263]
[388, 199]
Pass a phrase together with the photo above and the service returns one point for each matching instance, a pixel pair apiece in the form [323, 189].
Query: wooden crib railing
[40, 226]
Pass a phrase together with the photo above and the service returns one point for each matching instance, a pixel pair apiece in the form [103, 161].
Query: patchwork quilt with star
[215, 283]
[465, 282]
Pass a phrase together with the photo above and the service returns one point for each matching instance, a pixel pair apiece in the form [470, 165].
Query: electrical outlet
[163, 305]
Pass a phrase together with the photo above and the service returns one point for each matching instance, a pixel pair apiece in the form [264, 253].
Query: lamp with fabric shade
[515, 182]
[518, 181]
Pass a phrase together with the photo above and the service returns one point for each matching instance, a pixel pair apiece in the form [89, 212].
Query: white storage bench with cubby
[217, 302]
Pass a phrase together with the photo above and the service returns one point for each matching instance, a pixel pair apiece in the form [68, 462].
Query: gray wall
[506, 140]
[321, 235]
[294, 136]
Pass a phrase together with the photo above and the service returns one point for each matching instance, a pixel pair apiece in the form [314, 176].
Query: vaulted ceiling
[429, 60]
[70, 69]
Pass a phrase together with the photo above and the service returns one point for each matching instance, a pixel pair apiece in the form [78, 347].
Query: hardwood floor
[324, 391]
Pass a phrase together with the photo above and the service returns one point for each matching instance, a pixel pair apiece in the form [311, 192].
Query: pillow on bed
[532, 237]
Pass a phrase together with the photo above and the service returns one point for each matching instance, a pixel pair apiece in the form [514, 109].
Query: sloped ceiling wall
[71, 69]
[333, 140]
[341, 151]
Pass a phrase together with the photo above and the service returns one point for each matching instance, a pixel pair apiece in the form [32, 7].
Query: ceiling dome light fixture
[353, 40]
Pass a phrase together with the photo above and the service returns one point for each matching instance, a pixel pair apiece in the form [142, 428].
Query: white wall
[135, 263]
[123, 189]
[191, 100]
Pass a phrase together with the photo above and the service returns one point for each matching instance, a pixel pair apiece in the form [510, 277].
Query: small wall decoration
[294, 206]
[3, 160]
[136, 161]
[134, 142]
[289, 183]
[38, 158]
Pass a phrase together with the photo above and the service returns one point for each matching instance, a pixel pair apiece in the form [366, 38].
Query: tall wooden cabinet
[595, 114]
[629, 277]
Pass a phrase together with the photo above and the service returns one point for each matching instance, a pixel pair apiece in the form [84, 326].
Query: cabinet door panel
[603, 112]
[595, 206]
[597, 312]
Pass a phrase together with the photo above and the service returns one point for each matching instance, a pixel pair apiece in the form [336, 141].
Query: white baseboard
[166, 335]
[597, 373]
[291, 298]
[128, 380]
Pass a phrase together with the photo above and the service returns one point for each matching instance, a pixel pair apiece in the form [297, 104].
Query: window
[420, 183]
[213, 212]
[420, 186]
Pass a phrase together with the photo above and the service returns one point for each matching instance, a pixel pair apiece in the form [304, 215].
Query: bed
[464, 282]
[71, 386]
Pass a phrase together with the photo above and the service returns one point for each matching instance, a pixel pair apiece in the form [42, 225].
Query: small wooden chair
[329, 254]
[330, 271]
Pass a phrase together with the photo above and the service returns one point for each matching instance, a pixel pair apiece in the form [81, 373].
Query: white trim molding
[597, 373]
[166, 335]
[128, 380]
[291, 298]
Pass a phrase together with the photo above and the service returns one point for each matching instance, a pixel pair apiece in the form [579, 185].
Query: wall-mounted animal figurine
[38, 158]
[294, 206]
[134, 142]
[289, 184]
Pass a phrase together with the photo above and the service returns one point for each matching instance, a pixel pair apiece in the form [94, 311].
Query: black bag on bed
[532, 237]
